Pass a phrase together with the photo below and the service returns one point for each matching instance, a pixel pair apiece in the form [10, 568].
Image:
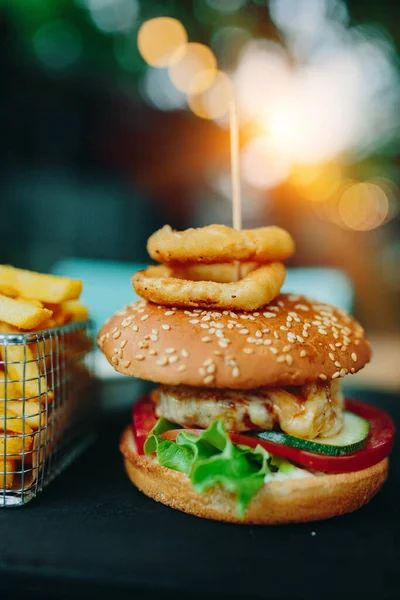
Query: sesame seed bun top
[292, 341]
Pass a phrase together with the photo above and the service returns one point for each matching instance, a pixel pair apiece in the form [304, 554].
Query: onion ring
[162, 285]
[219, 244]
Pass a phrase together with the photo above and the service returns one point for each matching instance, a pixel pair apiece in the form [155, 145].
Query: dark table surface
[92, 534]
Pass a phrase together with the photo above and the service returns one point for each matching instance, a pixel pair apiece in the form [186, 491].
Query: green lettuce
[211, 459]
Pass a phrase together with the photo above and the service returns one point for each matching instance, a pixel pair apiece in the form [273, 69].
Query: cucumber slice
[352, 437]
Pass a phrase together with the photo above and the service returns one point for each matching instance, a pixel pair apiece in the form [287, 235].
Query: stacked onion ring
[199, 265]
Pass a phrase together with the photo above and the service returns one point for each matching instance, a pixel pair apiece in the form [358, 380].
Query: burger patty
[307, 411]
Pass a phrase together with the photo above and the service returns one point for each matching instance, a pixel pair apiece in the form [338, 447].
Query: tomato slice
[378, 446]
[144, 419]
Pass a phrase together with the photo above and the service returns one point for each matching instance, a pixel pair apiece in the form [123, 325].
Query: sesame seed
[172, 359]
[206, 339]
[352, 370]
[266, 330]
[139, 357]
[185, 353]
[154, 338]
[223, 343]
[181, 368]
[343, 372]
[116, 335]
[235, 372]
[211, 369]
[115, 360]
[230, 326]
[303, 353]
[165, 327]
[170, 350]
[322, 376]
[244, 331]
[336, 375]
[162, 361]
[123, 343]
[217, 352]
[127, 321]
[117, 351]
[259, 342]
[280, 359]
[286, 348]
[135, 328]
[331, 346]
[248, 350]
[258, 333]
[267, 342]
[274, 350]
[143, 345]
[276, 335]
[152, 352]
[127, 363]
[332, 356]
[269, 315]
[114, 330]
[283, 328]
[144, 317]
[204, 325]
[256, 314]
[207, 362]
[322, 331]
[251, 340]
[338, 344]
[154, 331]
[194, 321]
[354, 357]
[220, 334]
[208, 379]
[168, 313]
[202, 371]
[289, 359]
[300, 339]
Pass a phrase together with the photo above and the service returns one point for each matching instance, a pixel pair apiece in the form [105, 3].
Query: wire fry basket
[46, 406]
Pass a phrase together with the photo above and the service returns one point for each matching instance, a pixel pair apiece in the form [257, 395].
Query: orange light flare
[214, 100]
[318, 182]
[363, 206]
[162, 41]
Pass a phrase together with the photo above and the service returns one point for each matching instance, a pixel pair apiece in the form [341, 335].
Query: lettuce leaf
[211, 459]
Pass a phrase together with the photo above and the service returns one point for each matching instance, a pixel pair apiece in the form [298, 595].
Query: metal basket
[46, 406]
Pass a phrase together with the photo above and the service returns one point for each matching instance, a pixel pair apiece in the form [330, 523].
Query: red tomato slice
[378, 446]
[144, 419]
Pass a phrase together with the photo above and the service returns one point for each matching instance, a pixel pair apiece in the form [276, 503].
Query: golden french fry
[8, 290]
[15, 444]
[12, 423]
[23, 367]
[76, 310]
[7, 468]
[8, 389]
[48, 288]
[31, 411]
[22, 314]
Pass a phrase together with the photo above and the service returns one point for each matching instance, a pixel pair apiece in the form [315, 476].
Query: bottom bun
[290, 501]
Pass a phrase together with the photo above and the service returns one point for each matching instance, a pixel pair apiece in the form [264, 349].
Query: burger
[247, 422]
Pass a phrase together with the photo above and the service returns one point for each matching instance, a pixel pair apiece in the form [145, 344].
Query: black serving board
[91, 534]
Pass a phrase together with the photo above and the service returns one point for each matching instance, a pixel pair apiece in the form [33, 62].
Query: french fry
[12, 423]
[23, 367]
[7, 467]
[9, 291]
[15, 444]
[47, 288]
[8, 389]
[22, 314]
[35, 414]
[76, 310]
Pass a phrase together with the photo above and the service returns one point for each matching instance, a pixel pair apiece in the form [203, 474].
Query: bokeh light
[226, 6]
[262, 166]
[316, 182]
[158, 91]
[162, 41]
[195, 69]
[114, 16]
[363, 206]
[214, 101]
[58, 44]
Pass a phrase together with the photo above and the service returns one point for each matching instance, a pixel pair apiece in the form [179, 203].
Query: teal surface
[107, 284]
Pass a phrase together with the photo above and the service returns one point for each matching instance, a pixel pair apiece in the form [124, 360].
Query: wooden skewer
[235, 171]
